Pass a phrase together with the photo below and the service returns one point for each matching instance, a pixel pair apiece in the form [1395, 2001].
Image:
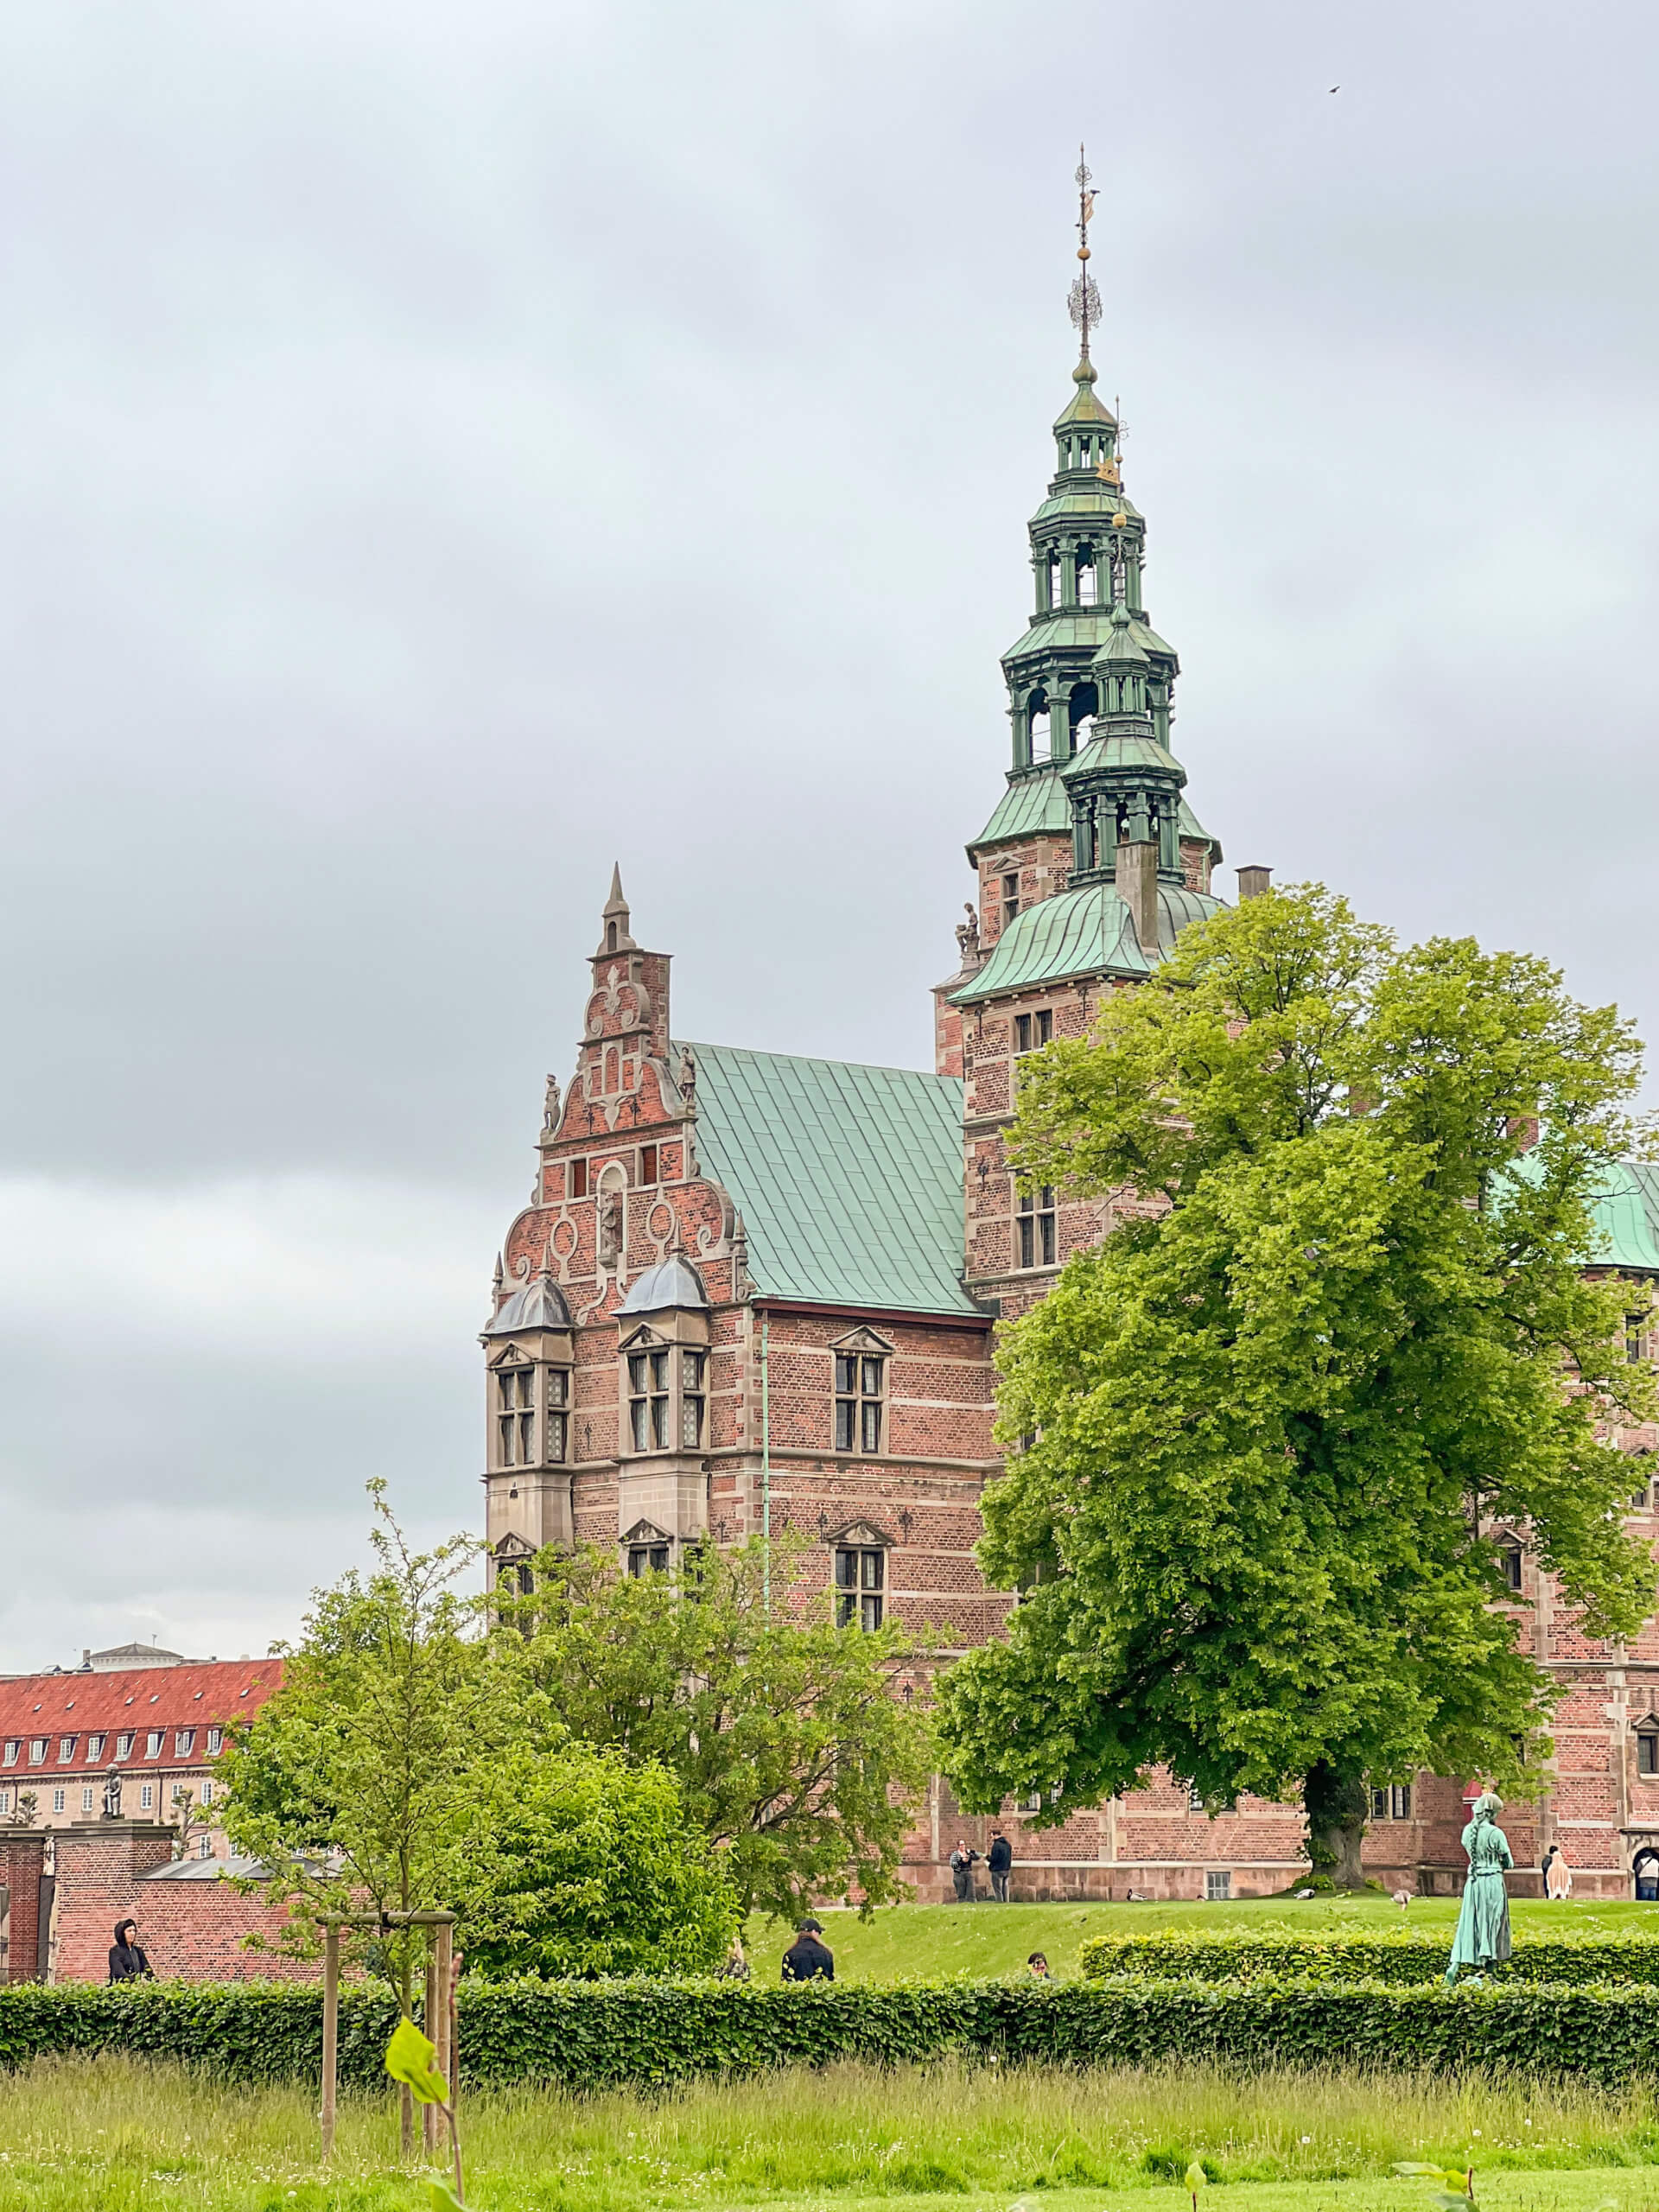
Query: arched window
[1037, 722]
[1088, 590]
[1055, 579]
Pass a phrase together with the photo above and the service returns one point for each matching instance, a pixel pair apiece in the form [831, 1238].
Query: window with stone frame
[1033, 1031]
[694, 1368]
[648, 1559]
[647, 1163]
[556, 1435]
[515, 1416]
[1010, 897]
[648, 1407]
[1392, 1802]
[577, 1178]
[1036, 1219]
[861, 1585]
[1647, 1753]
[860, 1392]
[1510, 1562]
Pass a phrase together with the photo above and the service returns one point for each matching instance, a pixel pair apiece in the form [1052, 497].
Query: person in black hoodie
[127, 1961]
[808, 1958]
[1000, 1859]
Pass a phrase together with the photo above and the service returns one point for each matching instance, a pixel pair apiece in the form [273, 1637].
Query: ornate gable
[863, 1533]
[864, 1340]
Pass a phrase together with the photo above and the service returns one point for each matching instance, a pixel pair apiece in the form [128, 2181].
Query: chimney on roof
[1135, 874]
[1253, 881]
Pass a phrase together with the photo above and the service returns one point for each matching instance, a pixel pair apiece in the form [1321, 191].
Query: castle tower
[1092, 862]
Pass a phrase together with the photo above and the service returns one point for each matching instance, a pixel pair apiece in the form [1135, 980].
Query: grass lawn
[114, 2135]
[929, 1943]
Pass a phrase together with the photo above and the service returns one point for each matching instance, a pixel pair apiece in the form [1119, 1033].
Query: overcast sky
[444, 448]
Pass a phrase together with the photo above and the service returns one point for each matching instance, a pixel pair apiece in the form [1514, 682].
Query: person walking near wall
[127, 1961]
[1000, 1859]
[1558, 1875]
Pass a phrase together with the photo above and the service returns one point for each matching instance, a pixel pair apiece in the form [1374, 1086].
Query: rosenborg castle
[755, 1291]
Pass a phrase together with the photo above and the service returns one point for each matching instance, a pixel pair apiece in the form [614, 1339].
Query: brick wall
[22, 1858]
[190, 1927]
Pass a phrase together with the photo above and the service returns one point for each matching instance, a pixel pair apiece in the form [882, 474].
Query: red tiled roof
[138, 1698]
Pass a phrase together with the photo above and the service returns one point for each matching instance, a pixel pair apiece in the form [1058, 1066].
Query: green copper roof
[1030, 805]
[849, 1179]
[1034, 804]
[1627, 1218]
[1082, 627]
[1123, 749]
[1083, 932]
[1083, 406]
[1091, 497]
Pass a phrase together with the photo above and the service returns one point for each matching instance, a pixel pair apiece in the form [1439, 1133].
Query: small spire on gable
[614, 936]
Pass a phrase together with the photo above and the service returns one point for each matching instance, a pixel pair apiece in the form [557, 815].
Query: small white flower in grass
[1475, 2132]
[1308, 2138]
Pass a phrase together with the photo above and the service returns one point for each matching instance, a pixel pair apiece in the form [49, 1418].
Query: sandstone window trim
[1010, 896]
[861, 1584]
[515, 1415]
[1511, 1562]
[1034, 1030]
[1036, 1227]
[1391, 1801]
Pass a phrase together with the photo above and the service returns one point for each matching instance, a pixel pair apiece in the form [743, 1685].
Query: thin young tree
[1267, 1433]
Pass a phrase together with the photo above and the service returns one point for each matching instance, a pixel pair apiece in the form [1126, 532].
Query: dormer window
[515, 1388]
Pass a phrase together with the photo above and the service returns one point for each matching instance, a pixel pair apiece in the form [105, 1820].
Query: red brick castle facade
[755, 1292]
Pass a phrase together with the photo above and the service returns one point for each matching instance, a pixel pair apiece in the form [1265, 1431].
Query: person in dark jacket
[127, 1961]
[1000, 1859]
[808, 1958]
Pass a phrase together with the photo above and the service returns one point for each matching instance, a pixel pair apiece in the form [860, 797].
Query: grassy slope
[925, 1942]
[114, 2136]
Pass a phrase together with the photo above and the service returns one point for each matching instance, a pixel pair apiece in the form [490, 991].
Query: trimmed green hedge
[1412, 1956]
[595, 2036]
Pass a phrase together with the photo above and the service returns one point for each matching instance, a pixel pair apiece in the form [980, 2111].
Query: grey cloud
[440, 453]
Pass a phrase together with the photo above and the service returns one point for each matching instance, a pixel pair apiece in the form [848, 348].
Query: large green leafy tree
[795, 1749]
[1268, 1430]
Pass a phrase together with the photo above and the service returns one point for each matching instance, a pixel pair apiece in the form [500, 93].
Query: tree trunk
[1335, 1802]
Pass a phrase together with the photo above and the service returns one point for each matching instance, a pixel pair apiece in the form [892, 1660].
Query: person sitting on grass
[1038, 1964]
[808, 1958]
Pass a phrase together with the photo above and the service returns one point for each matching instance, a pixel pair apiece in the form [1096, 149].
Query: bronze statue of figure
[1483, 1936]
